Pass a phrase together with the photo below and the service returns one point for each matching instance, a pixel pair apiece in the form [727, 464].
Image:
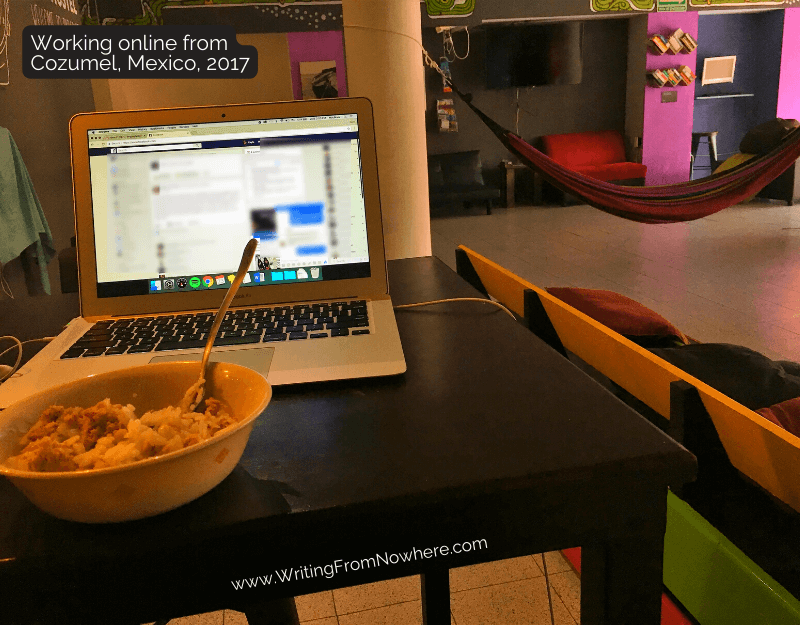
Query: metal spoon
[194, 396]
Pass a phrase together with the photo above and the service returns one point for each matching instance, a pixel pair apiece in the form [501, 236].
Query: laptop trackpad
[256, 358]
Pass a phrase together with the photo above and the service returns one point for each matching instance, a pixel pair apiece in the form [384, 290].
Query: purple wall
[755, 40]
[317, 46]
[789, 87]
[667, 134]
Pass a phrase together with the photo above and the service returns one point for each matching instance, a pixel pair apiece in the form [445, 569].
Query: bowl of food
[117, 446]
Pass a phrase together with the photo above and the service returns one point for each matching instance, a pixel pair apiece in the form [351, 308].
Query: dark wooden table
[510, 171]
[490, 436]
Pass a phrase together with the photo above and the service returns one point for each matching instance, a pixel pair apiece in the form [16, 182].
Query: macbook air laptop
[165, 202]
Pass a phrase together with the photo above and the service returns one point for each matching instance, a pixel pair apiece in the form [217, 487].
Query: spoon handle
[247, 258]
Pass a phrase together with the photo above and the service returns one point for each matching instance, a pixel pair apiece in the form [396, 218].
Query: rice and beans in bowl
[109, 435]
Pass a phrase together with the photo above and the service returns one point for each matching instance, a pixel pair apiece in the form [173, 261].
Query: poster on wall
[730, 3]
[671, 5]
[449, 8]
[247, 16]
[318, 80]
[622, 5]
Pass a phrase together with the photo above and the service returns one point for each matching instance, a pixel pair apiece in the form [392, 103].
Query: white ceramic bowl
[153, 485]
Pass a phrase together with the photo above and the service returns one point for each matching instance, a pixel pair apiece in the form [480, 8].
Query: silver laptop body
[165, 201]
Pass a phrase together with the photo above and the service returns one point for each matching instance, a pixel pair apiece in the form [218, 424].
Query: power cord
[6, 371]
[460, 299]
[449, 47]
[6, 287]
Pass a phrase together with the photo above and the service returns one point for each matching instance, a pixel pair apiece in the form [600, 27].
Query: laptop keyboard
[240, 327]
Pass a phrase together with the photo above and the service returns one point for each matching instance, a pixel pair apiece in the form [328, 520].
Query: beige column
[382, 42]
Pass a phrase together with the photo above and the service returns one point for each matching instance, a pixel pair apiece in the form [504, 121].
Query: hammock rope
[683, 201]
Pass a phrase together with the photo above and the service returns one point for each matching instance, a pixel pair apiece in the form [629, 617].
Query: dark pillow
[621, 314]
[742, 374]
[790, 366]
[462, 168]
[785, 414]
[767, 136]
[435, 176]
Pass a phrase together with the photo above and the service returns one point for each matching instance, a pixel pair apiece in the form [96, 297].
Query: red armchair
[598, 155]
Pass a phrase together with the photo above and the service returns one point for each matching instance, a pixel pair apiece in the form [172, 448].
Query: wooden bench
[713, 579]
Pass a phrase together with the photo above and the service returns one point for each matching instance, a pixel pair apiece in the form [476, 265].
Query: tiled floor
[511, 592]
[733, 277]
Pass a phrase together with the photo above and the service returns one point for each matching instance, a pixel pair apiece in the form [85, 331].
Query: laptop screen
[174, 205]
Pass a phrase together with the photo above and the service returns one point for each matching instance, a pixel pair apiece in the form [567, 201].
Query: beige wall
[272, 84]
[383, 49]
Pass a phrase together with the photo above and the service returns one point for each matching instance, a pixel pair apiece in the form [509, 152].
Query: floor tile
[379, 594]
[407, 613]
[522, 602]
[556, 563]
[209, 618]
[316, 606]
[568, 587]
[232, 617]
[490, 573]
[331, 620]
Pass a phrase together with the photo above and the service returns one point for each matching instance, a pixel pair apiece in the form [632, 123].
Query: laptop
[165, 202]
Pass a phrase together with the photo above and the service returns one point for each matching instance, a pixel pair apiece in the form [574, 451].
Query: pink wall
[789, 86]
[317, 46]
[667, 133]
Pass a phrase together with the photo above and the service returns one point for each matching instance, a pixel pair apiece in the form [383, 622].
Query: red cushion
[614, 171]
[579, 149]
[785, 414]
[620, 313]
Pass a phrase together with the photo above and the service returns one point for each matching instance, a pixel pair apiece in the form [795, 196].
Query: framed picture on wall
[718, 69]
[318, 80]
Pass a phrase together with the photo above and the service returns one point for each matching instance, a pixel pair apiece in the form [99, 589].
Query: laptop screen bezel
[93, 306]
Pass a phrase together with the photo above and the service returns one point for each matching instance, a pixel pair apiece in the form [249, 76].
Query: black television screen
[527, 55]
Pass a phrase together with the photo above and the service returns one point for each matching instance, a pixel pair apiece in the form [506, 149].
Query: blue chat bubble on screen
[309, 214]
[311, 250]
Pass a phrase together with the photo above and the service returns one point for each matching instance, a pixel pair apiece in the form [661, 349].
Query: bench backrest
[766, 453]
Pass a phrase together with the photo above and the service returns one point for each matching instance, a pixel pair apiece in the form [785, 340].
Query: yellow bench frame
[766, 453]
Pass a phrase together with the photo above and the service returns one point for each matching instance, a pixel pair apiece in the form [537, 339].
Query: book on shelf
[687, 75]
[658, 77]
[658, 44]
[689, 43]
[674, 42]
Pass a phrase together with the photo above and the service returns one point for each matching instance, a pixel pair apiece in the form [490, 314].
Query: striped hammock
[684, 201]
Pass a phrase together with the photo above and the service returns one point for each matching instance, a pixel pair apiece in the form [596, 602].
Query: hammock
[684, 201]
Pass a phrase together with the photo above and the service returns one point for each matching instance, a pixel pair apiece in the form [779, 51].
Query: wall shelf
[726, 95]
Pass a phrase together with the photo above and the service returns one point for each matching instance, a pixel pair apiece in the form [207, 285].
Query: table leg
[436, 597]
[510, 176]
[622, 583]
[693, 157]
[276, 612]
[537, 188]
